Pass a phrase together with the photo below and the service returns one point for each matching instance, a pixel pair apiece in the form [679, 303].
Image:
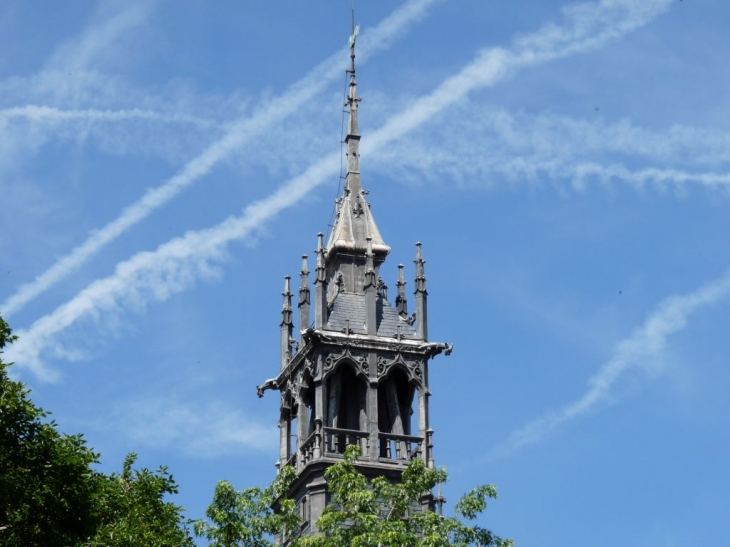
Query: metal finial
[353, 38]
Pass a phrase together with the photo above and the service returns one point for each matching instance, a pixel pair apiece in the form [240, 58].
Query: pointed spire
[420, 271]
[286, 309]
[401, 303]
[320, 273]
[353, 152]
[320, 285]
[354, 221]
[286, 324]
[304, 297]
[421, 296]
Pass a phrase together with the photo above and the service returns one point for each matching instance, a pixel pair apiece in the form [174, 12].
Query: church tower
[358, 372]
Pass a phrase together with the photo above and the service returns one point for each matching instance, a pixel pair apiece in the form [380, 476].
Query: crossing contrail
[239, 133]
[173, 266]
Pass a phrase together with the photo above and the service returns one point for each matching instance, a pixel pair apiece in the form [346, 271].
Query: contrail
[40, 113]
[156, 275]
[239, 133]
[77, 54]
[530, 148]
[176, 264]
[530, 169]
[110, 21]
[640, 350]
[582, 173]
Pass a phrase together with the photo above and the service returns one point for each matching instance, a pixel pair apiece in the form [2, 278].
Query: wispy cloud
[203, 430]
[175, 265]
[641, 350]
[66, 75]
[109, 24]
[239, 133]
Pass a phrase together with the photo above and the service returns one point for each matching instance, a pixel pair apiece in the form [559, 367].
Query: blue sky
[164, 165]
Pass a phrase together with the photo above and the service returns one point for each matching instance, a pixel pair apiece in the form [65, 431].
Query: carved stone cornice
[356, 347]
[378, 343]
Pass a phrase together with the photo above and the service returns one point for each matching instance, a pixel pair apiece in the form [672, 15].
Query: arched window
[346, 408]
[396, 414]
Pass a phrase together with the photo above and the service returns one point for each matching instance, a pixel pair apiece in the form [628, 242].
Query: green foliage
[360, 514]
[385, 514]
[51, 495]
[46, 482]
[246, 518]
[133, 510]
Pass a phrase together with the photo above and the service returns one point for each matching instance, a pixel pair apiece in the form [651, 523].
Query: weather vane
[355, 29]
[353, 36]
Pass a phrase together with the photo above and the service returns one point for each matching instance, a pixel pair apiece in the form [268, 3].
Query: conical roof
[355, 222]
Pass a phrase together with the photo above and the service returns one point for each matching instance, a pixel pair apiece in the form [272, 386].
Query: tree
[52, 496]
[46, 483]
[361, 513]
[246, 518]
[133, 510]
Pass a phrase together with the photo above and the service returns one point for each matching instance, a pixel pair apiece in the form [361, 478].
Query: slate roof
[348, 306]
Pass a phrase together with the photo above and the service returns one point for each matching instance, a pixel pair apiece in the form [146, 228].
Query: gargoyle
[268, 384]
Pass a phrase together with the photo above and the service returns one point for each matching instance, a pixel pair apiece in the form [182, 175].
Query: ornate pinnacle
[320, 286]
[320, 273]
[420, 270]
[304, 285]
[401, 304]
[286, 315]
[421, 296]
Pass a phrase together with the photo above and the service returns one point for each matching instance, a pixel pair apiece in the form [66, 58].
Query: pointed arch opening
[398, 416]
[347, 418]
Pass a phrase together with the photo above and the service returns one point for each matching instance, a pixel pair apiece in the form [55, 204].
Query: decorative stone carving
[414, 367]
[382, 289]
[357, 209]
[330, 361]
[340, 282]
[358, 357]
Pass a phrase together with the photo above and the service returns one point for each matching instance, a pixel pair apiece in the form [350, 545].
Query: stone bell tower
[358, 373]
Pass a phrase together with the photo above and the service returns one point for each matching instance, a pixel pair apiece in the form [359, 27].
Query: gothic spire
[286, 323]
[320, 285]
[354, 222]
[421, 295]
[304, 297]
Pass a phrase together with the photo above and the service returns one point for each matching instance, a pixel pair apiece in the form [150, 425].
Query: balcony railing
[400, 447]
[310, 449]
[337, 439]
[331, 442]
